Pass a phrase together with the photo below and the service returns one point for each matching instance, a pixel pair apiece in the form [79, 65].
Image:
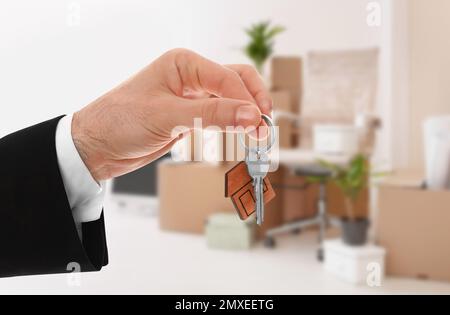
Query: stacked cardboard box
[299, 198]
[287, 76]
[191, 192]
[287, 94]
[414, 227]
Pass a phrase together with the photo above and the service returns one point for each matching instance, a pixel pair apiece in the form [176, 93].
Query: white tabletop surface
[298, 157]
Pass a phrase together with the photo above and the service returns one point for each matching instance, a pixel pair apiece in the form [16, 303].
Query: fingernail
[246, 115]
[266, 106]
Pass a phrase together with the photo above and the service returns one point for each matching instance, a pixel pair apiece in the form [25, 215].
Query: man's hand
[132, 125]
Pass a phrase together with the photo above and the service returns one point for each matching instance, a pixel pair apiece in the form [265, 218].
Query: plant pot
[354, 232]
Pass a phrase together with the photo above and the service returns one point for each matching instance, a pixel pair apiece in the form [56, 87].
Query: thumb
[220, 112]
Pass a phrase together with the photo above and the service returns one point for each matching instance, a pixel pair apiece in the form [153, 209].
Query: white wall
[48, 68]
[394, 105]
[430, 68]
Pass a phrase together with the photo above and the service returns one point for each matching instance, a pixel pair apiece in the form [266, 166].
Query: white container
[335, 139]
[227, 231]
[437, 152]
[357, 265]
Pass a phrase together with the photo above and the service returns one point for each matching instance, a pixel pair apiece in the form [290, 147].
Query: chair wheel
[320, 255]
[269, 242]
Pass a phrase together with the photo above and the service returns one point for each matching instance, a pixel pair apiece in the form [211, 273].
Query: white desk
[300, 158]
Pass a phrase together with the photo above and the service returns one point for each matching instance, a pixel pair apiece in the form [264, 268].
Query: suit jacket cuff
[38, 234]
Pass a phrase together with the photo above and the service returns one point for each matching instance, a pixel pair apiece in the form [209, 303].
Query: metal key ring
[270, 124]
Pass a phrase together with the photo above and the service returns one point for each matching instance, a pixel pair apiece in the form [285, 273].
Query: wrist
[88, 147]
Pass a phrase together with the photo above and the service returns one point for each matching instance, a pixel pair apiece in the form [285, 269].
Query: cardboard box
[281, 100]
[414, 226]
[286, 134]
[188, 194]
[227, 231]
[273, 210]
[287, 76]
[299, 198]
[191, 192]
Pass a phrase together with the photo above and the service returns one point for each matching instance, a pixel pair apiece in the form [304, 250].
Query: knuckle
[229, 77]
[233, 76]
[249, 70]
[179, 51]
[180, 54]
[210, 109]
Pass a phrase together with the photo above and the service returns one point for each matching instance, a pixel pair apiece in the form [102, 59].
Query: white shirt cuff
[85, 195]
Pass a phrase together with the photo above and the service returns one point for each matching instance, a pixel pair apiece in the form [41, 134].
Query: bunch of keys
[247, 185]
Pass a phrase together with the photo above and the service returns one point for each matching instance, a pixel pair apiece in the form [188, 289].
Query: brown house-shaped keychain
[239, 187]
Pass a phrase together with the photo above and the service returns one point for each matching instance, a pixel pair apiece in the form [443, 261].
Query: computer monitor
[138, 191]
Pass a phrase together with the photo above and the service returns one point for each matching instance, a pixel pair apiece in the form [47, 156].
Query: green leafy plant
[351, 179]
[261, 44]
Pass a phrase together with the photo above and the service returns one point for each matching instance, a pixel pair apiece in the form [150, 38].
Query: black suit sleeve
[37, 230]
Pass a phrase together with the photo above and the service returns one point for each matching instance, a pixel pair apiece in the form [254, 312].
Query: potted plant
[260, 47]
[352, 180]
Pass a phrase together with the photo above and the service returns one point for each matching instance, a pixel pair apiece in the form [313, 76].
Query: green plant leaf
[275, 31]
[261, 44]
[351, 179]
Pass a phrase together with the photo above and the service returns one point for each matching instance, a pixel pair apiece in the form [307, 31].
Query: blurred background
[361, 91]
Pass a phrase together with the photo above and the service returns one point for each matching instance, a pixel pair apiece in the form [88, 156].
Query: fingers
[255, 86]
[200, 74]
[240, 91]
[218, 112]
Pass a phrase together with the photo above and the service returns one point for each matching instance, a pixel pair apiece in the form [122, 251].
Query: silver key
[258, 165]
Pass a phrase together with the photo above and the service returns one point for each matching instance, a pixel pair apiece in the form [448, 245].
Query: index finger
[255, 84]
[201, 74]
